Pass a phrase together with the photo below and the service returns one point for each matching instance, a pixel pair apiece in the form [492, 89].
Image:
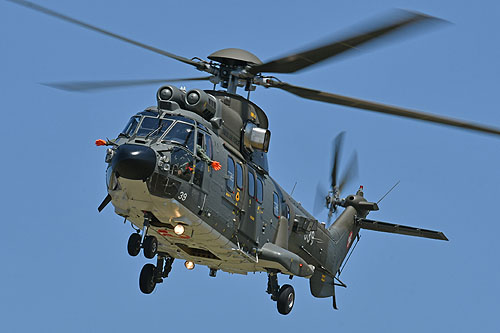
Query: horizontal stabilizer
[400, 229]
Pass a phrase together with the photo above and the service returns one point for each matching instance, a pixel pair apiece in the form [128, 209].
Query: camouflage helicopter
[191, 173]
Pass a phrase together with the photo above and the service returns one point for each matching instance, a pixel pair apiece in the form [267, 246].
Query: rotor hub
[235, 57]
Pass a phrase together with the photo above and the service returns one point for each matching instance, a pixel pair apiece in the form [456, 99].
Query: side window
[239, 175]
[287, 212]
[199, 139]
[260, 190]
[276, 206]
[208, 145]
[251, 184]
[230, 174]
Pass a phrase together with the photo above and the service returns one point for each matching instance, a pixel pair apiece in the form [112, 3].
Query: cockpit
[170, 129]
[188, 148]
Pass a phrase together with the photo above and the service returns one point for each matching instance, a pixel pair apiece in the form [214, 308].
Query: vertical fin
[282, 234]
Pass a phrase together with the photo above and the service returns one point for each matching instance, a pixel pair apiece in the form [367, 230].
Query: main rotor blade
[350, 172]
[102, 31]
[322, 96]
[297, 61]
[337, 148]
[319, 199]
[84, 86]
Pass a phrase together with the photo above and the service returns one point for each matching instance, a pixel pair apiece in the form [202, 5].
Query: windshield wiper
[176, 143]
[154, 131]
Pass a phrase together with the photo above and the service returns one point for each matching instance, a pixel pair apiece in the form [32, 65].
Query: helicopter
[163, 176]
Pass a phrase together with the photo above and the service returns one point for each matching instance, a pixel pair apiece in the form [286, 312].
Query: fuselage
[228, 214]
[236, 219]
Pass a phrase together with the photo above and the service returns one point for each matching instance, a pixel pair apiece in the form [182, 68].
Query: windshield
[148, 125]
[131, 126]
[182, 134]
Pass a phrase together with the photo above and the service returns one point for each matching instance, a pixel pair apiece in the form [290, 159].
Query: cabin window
[276, 205]
[208, 145]
[239, 175]
[260, 190]
[251, 184]
[230, 174]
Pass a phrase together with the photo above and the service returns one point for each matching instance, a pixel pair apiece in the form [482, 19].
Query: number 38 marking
[182, 196]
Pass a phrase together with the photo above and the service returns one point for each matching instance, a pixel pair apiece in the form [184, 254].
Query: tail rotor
[331, 199]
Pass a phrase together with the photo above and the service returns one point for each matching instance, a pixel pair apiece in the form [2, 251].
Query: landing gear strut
[284, 296]
[151, 274]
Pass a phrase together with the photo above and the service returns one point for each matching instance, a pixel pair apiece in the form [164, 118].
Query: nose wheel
[134, 244]
[284, 296]
[149, 244]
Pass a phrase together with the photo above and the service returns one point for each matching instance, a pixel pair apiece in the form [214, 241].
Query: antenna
[293, 189]
[392, 188]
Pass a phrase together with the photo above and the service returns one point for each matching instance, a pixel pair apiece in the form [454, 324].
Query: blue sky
[65, 267]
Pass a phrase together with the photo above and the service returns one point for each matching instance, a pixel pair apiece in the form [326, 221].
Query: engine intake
[198, 101]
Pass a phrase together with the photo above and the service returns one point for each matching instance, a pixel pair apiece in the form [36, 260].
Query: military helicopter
[191, 173]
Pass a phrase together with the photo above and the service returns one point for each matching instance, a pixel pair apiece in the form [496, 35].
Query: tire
[150, 246]
[134, 245]
[147, 279]
[286, 299]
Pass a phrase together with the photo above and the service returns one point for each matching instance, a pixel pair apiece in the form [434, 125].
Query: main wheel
[134, 244]
[286, 299]
[147, 279]
[150, 246]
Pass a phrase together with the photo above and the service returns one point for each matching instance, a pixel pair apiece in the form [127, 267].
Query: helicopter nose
[134, 162]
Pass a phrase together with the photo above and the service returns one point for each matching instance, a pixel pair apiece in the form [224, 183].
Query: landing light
[179, 230]
[189, 265]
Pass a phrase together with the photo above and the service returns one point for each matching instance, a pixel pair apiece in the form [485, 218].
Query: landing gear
[147, 281]
[148, 243]
[284, 296]
[286, 299]
[134, 244]
[150, 246]
[151, 274]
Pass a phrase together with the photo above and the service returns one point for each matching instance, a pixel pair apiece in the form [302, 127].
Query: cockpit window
[163, 125]
[148, 125]
[182, 134]
[131, 126]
